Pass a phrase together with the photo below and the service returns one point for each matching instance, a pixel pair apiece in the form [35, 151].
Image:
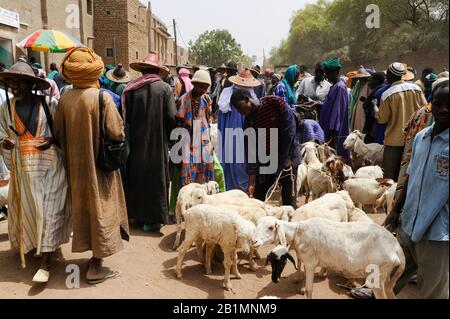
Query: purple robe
[334, 117]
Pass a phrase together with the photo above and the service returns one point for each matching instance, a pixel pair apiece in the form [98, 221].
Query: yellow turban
[82, 68]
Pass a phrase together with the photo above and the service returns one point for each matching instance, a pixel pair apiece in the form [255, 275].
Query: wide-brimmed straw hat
[361, 74]
[172, 68]
[164, 71]
[118, 75]
[409, 75]
[256, 70]
[222, 68]
[245, 79]
[151, 61]
[23, 71]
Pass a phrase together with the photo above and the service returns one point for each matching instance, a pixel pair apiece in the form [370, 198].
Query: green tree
[212, 48]
[338, 27]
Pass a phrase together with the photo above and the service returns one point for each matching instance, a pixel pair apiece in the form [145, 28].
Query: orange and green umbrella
[49, 41]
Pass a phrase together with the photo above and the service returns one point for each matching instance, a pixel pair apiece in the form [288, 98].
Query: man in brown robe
[149, 110]
[98, 203]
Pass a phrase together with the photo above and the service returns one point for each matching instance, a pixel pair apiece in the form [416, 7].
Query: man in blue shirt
[424, 227]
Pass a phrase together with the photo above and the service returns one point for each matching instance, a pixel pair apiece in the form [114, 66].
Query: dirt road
[147, 264]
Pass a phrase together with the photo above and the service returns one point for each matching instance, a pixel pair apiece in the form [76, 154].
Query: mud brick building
[19, 18]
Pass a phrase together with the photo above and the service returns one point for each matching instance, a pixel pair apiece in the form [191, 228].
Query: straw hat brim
[110, 75]
[248, 83]
[41, 84]
[360, 76]
[408, 76]
[139, 66]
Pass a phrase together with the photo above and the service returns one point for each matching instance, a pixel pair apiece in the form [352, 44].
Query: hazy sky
[255, 24]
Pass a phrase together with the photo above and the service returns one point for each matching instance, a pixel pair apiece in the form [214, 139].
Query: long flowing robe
[358, 117]
[231, 151]
[334, 117]
[150, 118]
[42, 184]
[199, 165]
[98, 203]
[353, 98]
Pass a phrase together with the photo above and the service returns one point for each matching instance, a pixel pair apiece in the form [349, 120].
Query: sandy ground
[147, 264]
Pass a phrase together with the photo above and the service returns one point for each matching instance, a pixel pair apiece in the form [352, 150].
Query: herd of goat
[331, 231]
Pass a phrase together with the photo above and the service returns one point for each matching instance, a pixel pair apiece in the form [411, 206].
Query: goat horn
[289, 256]
[329, 142]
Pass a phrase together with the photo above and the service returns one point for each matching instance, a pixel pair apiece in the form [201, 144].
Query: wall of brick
[137, 31]
[111, 23]
[419, 60]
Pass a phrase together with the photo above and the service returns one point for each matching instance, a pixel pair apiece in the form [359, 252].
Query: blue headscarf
[289, 82]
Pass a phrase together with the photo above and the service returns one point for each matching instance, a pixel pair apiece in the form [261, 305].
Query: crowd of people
[56, 131]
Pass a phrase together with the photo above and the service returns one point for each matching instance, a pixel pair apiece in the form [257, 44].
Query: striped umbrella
[49, 41]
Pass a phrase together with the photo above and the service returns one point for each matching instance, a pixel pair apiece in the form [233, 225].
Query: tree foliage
[215, 47]
[328, 28]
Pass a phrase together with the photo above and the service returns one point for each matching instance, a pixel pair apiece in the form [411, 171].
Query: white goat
[281, 213]
[330, 206]
[319, 183]
[358, 215]
[387, 199]
[325, 152]
[350, 249]
[184, 196]
[221, 226]
[373, 172]
[302, 178]
[234, 198]
[371, 152]
[364, 191]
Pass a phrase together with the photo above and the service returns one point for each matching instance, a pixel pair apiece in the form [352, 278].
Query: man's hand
[288, 164]
[45, 145]
[375, 106]
[251, 186]
[8, 144]
[251, 191]
[392, 222]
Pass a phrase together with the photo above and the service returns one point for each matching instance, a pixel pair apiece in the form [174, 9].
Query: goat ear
[281, 236]
[289, 256]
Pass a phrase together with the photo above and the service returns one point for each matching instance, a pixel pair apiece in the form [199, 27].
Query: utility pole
[81, 21]
[176, 42]
[264, 59]
[44, 15]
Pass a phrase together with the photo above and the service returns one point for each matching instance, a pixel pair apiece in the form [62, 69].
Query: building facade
[126, 31]
[18, 19]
